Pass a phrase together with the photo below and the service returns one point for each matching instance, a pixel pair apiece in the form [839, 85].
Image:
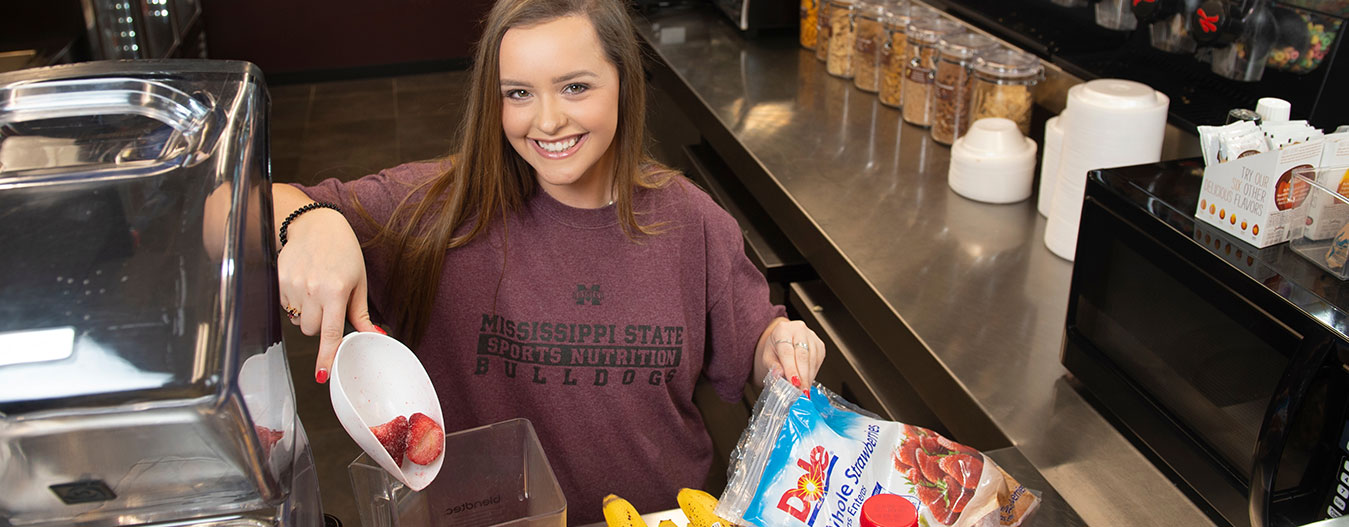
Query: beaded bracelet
[285, 224]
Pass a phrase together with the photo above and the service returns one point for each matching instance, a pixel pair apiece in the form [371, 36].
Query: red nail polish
[807, 392]
[322, 376]
[796, 381]
[381, 331]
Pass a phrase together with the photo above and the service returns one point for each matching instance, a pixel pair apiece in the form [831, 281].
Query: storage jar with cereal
[842, 38]
[923, 35]
[894, 53]
[1004, 84]
[809, 12]
[951, 84]
[870, 35]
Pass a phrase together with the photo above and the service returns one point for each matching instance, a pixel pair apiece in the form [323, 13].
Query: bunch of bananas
[697, 505]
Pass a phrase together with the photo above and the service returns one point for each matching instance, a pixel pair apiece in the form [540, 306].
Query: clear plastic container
[869, 38]
[810, 10]
[1325, 212]
[1004, 85]
[842, 38]
[822, 30]
[894, 54]
[494, 475]
[951, 84]
[923, 35]
[143, 377]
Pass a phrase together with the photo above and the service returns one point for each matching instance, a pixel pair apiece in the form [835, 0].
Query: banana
[698, 506]
[667, 523]
[618, 512]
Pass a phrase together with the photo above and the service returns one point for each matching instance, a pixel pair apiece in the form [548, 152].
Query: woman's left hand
[793, 349]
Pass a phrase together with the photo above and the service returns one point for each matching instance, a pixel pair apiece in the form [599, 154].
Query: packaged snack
[813, 461]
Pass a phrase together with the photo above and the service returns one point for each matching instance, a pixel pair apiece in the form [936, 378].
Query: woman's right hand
[321, 273]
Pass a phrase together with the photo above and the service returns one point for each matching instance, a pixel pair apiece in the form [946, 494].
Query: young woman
[551, 270]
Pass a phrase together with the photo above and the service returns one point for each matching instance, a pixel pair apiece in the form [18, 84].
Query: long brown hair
[488, 180]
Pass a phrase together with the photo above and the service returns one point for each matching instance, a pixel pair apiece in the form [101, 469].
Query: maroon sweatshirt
[595, 338]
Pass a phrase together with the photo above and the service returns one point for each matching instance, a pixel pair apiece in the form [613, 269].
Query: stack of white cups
[1049, 164]
[1108, 123]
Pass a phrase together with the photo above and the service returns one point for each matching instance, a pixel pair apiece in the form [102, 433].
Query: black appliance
[1257, 48]
[1226, 364]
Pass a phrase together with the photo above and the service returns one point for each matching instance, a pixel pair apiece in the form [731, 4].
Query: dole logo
[798, 501]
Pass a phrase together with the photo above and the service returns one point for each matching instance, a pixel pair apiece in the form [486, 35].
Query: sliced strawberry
[929, 465]
[268, 438]
[931, 445]
[426, 440]
[958, 496]
[940, 510]
[916, 476]
[394, 436]
[928, 495]
[911, 431]
[966, 469]
[952, 445]
[906, 453]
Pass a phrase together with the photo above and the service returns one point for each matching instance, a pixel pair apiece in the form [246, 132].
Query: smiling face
[559, 110]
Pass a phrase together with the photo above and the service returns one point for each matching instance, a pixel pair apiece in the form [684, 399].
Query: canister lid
[873, 9]
[928, 30]
[1000, 62]
[961, 47]
[898, 15]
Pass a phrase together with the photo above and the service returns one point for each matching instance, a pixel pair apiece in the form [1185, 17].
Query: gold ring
[291, 312]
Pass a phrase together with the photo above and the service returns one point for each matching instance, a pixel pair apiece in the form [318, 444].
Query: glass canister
[894, 53]
[822, 30]
[923, 35]
[809, 24]
[1004, 84]
[842, 38]
[951, 84]
[869, 37]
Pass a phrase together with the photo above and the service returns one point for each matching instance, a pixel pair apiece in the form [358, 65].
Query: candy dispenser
[153, 385]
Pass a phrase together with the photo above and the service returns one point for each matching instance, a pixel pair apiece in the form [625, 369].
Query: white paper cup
[1108, 123]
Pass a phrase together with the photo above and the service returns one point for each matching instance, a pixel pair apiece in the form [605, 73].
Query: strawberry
[966, 469]
[940, 510]
[906, 452]
[957, 495]
[928, 495]
[952, 445]
[268, 438]
[931, 445]
[929, 465]
[426, 440]
[915, 476]
[394, 436]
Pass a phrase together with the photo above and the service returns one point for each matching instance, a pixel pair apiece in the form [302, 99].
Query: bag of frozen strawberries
[813, 461]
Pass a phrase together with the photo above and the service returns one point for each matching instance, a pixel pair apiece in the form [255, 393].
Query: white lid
[1272, 109]
[1118, 94]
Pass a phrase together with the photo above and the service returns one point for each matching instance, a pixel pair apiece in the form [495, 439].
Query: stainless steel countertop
[962, 297]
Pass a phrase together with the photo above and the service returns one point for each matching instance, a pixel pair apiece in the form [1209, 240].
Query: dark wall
[293, 36]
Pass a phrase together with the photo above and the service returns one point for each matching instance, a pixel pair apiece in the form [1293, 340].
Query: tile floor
[347, 129]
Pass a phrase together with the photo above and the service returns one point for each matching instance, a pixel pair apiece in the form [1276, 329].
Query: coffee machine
[143, 379]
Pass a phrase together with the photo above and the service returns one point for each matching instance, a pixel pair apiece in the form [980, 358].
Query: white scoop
[375, 378]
